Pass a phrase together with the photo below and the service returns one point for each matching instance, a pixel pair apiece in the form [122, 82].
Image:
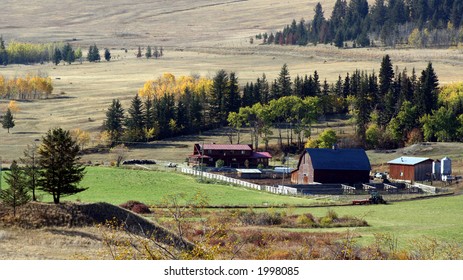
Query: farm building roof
[408, 160]
[261, 155]
[249, 171]
[339, 159]
[234, 147]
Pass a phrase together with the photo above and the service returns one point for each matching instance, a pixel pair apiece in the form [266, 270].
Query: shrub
[306, 220]
[261, 219]
[136, 206]
[326, 221]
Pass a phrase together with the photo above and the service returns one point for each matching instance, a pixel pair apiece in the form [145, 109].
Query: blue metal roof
[339, 159]
[408, 160]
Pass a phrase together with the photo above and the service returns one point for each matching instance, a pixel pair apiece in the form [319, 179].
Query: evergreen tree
[31, 169]
[284, 82]
[149, 113]
[57, 56]
[148, 53]
[60, 170]
[135, 120]
[386, 98]
[68, 54]
[16, 195]
[264, 90]
[427, 91]
[139, 52]
[93, 54]
[218, 111]
[113, 124]
[3, 52]
[233, 99]
[107, 55]
[8, 121]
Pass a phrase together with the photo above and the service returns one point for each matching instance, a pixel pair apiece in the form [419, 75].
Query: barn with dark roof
[332, 166]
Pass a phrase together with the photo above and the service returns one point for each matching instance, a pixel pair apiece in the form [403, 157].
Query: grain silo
[436, 174]
[446, 166]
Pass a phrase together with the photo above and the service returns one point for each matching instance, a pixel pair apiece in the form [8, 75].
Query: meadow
[117, 186]
[437, 218]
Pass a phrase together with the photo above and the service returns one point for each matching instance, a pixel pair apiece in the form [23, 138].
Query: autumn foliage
[29, 87]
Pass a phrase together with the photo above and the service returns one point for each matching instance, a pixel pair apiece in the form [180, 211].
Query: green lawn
[117, 186]
[440, 218]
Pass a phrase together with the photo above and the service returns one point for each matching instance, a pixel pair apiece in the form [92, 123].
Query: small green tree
[327, 138]
[114, 121]
[148, 53]
[31, 169]
[8, 121]
[57, 56]
[107, 55]
[68, 54]
[17, 194]
[60, 170]
[78, 54]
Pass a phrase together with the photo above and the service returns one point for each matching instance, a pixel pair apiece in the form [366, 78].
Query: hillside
[196, 44]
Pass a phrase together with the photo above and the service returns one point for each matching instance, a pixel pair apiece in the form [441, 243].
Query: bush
[136, 206]
[306, 220]
[261, 219]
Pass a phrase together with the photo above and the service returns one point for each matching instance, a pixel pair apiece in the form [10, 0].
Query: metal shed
[410, 168]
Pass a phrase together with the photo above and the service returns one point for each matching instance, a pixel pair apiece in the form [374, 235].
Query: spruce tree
[16, 195]
[135, 120]
[31, 168]
[218, 112]
[57, 56]
[284, 82]
[8, 121]
[60, 170]
[68, 54]
[107, 55]
[3, 53]
[114, 121]
[148, 53]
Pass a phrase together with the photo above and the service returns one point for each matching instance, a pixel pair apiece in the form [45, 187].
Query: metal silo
[446, 166]
[436, 166]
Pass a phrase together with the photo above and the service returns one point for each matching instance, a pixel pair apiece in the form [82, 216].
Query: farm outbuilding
[332, 166]
[233, 155]
[410, 168]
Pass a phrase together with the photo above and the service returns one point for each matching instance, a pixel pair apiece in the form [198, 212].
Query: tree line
[27, 88]
[389, 109]
[424, 23]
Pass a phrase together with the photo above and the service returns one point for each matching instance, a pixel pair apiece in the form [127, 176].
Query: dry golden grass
[199, 37]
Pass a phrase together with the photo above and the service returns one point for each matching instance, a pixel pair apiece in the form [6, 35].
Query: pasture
[117, 186]
[438, 218]
[196, 44]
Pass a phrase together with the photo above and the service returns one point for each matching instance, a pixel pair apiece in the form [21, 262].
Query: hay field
[199, 37]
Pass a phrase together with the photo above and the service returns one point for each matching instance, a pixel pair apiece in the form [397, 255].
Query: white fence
[277, 190]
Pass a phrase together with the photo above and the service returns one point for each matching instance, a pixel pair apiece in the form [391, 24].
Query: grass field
[439, 217]
[436, 218]
[117, 186]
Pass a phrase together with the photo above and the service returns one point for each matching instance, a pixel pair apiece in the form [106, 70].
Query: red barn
[332, 166]
[410, 168]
